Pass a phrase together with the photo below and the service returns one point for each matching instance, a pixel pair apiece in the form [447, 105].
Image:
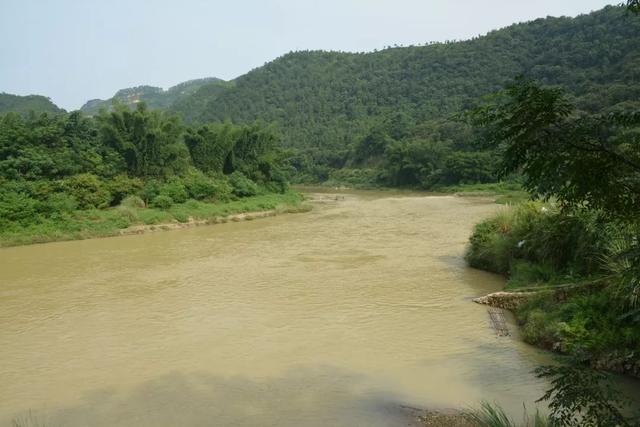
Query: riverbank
[131, 219]
[504, 193]
[452, 418]
[575, 268]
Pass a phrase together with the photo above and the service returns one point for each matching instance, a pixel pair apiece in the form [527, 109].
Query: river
[343, 316]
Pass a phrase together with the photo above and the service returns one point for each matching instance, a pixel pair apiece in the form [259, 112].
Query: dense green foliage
[586, 54]
[386, 117]
[55, 167]
[155, 97]
[584, 160]
[583, 247]
[27, 104]
[72, 224]
[535, 243]
[575, 255]
[334, 107]
[590, 166]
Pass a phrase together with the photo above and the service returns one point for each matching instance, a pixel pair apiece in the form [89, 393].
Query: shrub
[88, 190]
[181, 217]
[122, 186]
[150, 190]
[490, 245]
[175, 190]
[133, 202]
[202, 187]
[58, 203]
[585, 323]
[224, 189]
[17, 207]
[569, 243]
[538, 327]
[278, 183]
[192, 204]
[525, 273]
[127, 215]
[242, 186]
[162, 202]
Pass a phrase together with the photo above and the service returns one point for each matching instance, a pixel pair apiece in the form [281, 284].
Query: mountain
[25, 104]
[340, 109]
[329, 100]
[154, 97]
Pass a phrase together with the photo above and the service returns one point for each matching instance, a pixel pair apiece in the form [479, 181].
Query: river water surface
[343, 316]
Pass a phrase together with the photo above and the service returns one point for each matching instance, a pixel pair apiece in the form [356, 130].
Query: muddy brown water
[343, 316]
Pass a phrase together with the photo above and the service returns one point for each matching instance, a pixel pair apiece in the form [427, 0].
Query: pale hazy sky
[75, 50]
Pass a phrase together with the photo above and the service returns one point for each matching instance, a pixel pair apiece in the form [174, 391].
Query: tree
[210, 145]
[581, 160]
[150, 142]
[588, 163]
[580, 396]
[414, 162]
[469, 167]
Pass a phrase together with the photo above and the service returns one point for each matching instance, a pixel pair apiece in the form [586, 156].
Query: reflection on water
[346, 315]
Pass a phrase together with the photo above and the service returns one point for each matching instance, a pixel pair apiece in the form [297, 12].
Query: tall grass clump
[492, 415]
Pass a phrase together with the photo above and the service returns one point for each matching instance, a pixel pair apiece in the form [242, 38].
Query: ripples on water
[342, 316]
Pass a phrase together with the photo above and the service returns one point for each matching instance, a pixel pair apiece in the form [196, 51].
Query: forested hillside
[389, 116]
[25, 104]
[154, 97]
[326, 103]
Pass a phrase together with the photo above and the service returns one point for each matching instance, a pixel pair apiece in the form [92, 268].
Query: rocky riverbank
[506, 300]
[621, 362]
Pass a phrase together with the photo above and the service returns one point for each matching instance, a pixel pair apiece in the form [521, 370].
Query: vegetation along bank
[575, 251]
[68, 177]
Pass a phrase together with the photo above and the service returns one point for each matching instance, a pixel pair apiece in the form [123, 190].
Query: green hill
[331, 99]
[25, 104]
[154, 97]
[388, 114]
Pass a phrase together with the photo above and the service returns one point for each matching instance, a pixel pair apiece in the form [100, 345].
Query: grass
[534, 243]
[87, 224]
[492, 415]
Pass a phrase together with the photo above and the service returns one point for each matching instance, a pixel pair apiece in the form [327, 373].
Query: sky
[76, 50]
